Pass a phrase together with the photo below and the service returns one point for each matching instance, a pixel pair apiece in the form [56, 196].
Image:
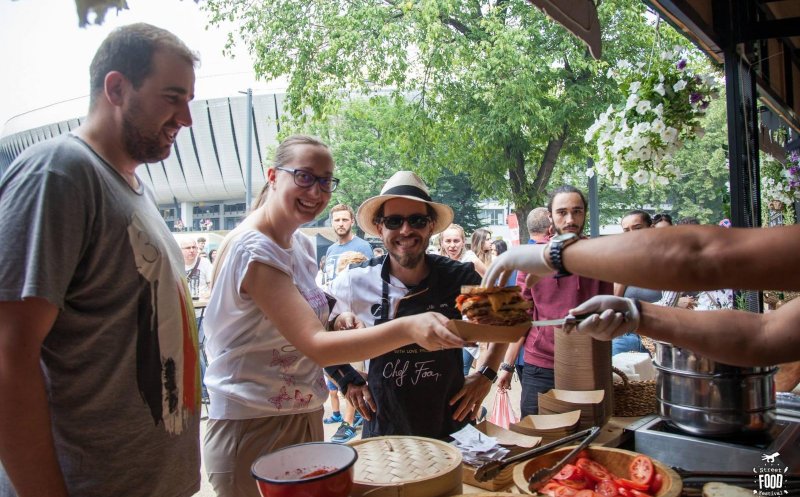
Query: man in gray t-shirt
[99, 384]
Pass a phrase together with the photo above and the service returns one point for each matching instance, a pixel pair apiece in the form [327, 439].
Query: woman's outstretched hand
[429, 330]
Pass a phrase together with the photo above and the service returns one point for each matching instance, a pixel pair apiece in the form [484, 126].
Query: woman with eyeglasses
[265, 325]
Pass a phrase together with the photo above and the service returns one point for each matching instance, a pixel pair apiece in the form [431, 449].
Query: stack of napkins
[637, 366]
[476, 447]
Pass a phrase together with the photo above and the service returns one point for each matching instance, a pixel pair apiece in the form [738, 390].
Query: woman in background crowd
[481, 244]
[498, 247]
[452, 244]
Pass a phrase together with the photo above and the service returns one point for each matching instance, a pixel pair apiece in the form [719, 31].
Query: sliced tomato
[586, 493]
[549, 488]
[584, 454]
[641, 470]
[577, 484]
[563, 491]
[637, 493]
[569, 472]
[631, 485]
[657, 483]
[606, 488]
[593, 470]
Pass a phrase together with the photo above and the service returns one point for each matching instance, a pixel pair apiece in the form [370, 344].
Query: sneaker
[358, 421]
[334, 418]
[345, 433]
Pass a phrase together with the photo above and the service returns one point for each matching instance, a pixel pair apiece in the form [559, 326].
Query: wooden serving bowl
[616, 460]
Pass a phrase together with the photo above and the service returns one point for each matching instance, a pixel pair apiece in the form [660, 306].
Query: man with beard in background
[409, 391]
[554, 296]
[98, 364]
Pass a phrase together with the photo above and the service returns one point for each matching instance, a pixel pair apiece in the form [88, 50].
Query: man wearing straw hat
[409, 391]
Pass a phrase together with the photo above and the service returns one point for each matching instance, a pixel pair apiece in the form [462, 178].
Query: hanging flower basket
[665, 102]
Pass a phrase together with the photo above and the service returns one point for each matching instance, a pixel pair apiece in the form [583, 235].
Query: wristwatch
[556, 246]
[508, 368]
[488, 372]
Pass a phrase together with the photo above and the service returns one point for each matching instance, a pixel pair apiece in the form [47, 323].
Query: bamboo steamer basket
[405, 466]
[615, 460]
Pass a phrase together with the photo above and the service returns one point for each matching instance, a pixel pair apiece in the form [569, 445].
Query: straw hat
[403, 184]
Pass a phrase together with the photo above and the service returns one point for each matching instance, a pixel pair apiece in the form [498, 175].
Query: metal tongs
[491, 469]
[542, 476]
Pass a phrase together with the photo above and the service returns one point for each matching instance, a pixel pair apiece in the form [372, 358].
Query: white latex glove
[610, 317]
[527, 258]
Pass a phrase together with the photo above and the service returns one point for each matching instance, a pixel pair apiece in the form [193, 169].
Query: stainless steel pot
[707, 398]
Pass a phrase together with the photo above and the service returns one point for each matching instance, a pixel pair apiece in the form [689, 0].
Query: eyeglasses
[305, 179]
[395, 222]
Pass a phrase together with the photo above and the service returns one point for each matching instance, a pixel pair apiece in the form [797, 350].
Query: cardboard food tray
[484, 333]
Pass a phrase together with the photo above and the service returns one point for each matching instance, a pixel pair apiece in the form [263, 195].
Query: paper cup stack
[583, 364]
[548, 426]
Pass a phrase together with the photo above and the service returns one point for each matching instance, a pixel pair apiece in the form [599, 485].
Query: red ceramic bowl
[306, 470]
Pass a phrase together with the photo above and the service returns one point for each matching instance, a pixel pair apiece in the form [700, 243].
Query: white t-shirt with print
[253, 371]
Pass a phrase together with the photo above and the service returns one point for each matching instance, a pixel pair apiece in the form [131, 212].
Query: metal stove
[658, 439]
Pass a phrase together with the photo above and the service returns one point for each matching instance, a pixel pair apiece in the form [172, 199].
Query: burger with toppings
[496, 306]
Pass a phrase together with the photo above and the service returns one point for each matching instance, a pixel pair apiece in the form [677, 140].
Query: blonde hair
[453, 226]
[283, 154]
[347, 258]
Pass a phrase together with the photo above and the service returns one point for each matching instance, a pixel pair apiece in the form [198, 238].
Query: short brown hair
[344, 207]
[129, 50]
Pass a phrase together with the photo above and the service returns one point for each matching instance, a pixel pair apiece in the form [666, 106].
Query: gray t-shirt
[120, 362]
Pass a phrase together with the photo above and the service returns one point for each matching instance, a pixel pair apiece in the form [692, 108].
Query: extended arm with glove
[611, 316]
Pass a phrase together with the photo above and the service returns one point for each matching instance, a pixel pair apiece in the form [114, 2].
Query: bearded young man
[342, 220]
[98, 371]
[409, 391]
[554, 296]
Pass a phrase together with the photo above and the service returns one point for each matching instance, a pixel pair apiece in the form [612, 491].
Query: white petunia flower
[633, 99]
[643, 106]
[662, 180]
[669, 135]
[635, 86]
[660, 89]
[641, 177]
[680, 85]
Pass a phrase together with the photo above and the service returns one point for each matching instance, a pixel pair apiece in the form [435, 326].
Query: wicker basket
[400, 466]
[634, 398]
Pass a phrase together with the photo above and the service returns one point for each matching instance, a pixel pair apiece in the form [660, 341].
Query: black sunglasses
[305, 179]
[395, 222]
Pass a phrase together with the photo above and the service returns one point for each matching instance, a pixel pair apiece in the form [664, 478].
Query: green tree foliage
[457, 191]
[363, 139]
[495, 89]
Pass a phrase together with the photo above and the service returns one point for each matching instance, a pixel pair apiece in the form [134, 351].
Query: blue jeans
[535, 380]
[467, 361]
[629, 342]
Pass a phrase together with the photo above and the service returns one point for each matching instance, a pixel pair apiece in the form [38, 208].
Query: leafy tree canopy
[498, 90]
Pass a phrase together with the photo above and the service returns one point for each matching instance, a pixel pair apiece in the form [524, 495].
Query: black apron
[412, 387]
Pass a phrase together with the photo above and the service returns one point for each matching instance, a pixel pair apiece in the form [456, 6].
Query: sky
[45, 56]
